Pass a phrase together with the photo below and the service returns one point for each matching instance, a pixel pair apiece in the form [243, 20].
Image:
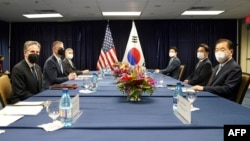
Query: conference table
[108, 115]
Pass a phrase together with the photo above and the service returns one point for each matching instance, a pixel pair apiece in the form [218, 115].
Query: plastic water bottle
[178, 91]
[94, 82]
[65, 106]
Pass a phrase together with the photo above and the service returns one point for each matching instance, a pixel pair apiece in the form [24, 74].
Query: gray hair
[29, 43]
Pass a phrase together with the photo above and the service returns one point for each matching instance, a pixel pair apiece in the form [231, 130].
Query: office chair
[181, 71]
[5, 88]
[1, 102]
[243, 87]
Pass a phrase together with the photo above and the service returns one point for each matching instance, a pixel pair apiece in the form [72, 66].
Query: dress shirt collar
[57, 58]
[29, 64]
[202, 59]
[226, 62]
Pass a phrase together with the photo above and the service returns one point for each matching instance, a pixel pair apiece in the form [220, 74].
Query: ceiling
[80, 10]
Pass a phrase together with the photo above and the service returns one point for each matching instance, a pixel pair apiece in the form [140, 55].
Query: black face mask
[33, 58]
[61, 52]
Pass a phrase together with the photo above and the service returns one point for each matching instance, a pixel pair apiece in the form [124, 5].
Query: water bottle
[178, 91]
[102, 73]
[65, 107]
[94, 82]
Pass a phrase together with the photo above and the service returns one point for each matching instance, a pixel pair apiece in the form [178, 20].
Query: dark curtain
[4, 44]
[156, 36]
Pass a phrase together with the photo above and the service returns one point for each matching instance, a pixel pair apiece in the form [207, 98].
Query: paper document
[21, 110]
[30, 103]
[2, 131]
[6, 120]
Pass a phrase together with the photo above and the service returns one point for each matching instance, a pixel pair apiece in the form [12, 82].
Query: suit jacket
[52, 72]
[226, 83]
[173, 68]
[201, 74]
[69, 68]
[24, 84]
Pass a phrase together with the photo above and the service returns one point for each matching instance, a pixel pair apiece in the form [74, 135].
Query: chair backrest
[243, 87]
[182, 68]
[1, 102]
[211, 77]
[5, 88]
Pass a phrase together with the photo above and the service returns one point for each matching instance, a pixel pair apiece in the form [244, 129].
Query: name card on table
[184, 110]
[76, 113]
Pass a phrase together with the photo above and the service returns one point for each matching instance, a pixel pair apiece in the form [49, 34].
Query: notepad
[29, 103]
[6, 120]
[21, 110]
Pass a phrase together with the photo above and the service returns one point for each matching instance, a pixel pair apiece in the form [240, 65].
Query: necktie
[171, 60]
[220, 66]
[60, 64]
[33, 71]
[198, 64]
[71, 63]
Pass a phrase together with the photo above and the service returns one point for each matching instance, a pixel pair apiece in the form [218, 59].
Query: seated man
[173, 67]
[53, 70]
[203, 69]
[226, 77]
[27, 75]
[69, 65]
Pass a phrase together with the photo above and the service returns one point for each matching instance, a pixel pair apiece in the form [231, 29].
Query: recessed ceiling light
[202, 12]
[53, 15]
[121, 13]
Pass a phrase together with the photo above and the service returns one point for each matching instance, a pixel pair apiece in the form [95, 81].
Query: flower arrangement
[119, 68]
[135, 83]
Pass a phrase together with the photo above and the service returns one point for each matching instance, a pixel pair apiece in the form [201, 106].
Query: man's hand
[72, 76]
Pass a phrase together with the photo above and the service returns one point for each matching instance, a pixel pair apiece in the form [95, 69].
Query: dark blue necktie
[33, 71]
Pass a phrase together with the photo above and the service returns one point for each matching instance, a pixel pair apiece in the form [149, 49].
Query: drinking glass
[86, 83]
[160, 80]
[52, 108]
[191, 97]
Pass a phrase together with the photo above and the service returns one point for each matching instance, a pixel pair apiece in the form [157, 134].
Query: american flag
[108, 53]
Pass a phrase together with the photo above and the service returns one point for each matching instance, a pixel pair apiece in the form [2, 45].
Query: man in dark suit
[53, 70]
[69, 65]
[226, 77]
[27, 75]
[203, 69]
[173, 67]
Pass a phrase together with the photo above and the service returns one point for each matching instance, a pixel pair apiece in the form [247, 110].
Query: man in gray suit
[226, 77]
[203, 69]
[69, 66]
[53, 70]
[26, 76]
[173, 67]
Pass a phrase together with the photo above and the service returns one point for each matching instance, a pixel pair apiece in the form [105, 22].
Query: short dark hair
[174, 48]
[205, 46]
[229, 43]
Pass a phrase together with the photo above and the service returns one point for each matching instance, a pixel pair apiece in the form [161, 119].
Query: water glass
[52, 108]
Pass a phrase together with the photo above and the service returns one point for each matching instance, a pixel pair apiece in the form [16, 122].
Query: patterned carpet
[246, 100]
